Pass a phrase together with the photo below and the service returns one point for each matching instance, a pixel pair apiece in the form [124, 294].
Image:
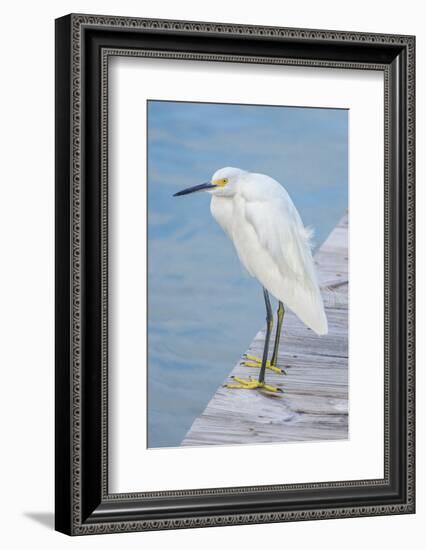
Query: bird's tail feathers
[307, 304]
[309, 233]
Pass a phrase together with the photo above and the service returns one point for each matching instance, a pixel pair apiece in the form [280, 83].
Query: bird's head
[223, 182]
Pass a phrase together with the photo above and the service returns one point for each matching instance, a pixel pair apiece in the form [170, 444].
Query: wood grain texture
[314, 402]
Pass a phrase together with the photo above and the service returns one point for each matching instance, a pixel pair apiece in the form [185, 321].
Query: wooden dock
[314, 402]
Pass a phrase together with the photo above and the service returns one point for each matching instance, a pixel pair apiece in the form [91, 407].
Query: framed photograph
[234, 274]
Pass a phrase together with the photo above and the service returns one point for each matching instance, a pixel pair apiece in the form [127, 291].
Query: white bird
[259, 217]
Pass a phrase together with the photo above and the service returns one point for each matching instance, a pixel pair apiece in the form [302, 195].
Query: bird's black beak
[188, 190]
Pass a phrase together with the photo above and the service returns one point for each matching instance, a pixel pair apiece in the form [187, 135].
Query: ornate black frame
[83, 45]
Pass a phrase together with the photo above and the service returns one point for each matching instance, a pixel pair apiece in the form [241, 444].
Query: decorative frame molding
[84, 44]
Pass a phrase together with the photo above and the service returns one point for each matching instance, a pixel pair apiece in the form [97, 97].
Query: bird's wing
[286, 242]
[281, 232]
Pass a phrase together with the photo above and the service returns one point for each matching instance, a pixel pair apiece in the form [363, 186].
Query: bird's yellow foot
[250, 384]
[253, 362]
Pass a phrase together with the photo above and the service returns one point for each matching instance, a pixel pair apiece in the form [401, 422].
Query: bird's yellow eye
[221, 182]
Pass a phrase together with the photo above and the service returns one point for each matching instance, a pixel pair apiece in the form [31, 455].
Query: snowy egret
[271, 242]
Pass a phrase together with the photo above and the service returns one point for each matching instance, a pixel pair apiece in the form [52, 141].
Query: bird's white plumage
[258, 215]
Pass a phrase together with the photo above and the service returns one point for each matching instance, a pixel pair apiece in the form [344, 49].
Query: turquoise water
[203, 309]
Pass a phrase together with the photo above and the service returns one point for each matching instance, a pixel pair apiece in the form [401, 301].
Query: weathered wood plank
[314, 402]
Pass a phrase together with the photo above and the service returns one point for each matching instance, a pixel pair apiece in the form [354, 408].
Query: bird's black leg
[280, 317]
[269, 325]
[250, 384]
